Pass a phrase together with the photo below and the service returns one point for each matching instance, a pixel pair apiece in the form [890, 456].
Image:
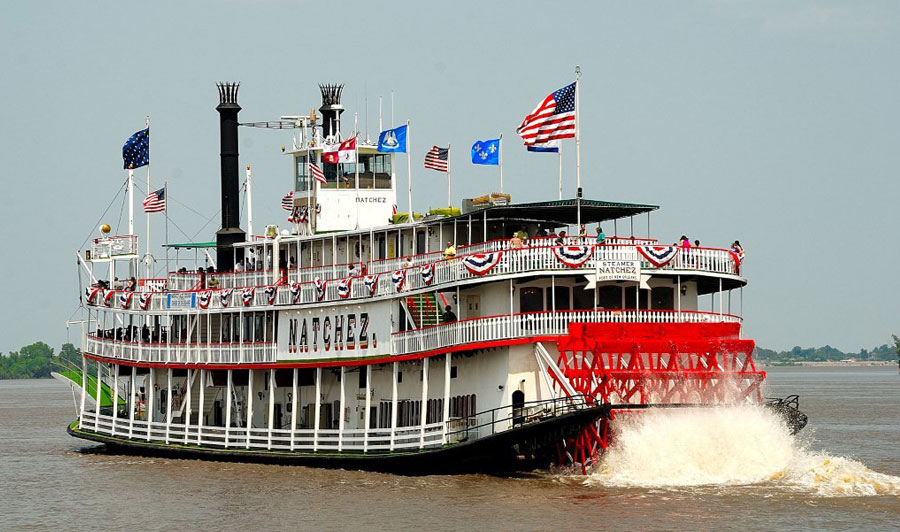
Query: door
[518, 407]
[473, 306]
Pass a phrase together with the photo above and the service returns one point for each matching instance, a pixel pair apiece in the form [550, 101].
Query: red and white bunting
[427, 272]
[481, 263]
[344, 287]
[203, 299]
[573, 256]
[144, 300]
[296, 292]
[247, 296]
[658, 256]
[125, 299]
[108, 297]
[271, 294]
[399, 279]
[225, 297]
[320, 288]
[371, 284]
[90, 294]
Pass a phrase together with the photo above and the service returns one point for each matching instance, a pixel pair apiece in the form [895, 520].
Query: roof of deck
[561, 212]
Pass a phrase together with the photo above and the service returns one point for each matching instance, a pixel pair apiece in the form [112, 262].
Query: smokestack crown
[228, 95]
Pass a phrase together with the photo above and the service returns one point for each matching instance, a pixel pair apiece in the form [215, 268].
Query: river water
[705, 469]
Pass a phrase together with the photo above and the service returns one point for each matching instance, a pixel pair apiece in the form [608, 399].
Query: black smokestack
[231, 232]
[331, 108]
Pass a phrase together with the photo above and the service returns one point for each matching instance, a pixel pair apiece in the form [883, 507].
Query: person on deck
[131, 285]
[450, 250]
[601, 236]
[449, 316]
[561, 239]
[582, 231]
[515, 242]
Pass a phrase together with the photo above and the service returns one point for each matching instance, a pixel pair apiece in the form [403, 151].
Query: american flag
[436, 158]
[155, 201]
[552, 119]
[317, 173]
[287, 202]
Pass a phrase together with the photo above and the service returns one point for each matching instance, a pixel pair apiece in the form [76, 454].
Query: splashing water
[727, 446]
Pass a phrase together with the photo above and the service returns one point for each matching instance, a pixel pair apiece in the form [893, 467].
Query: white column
[446, 405]
[187, 405]
[720, 298]
[368, 408]
[423, 411]
[249, 422]
[678, 295]
[271, 407]
[318, 409]
[228, 391]
[99, 390]
[150, 397]
[83, 390]
[341, 411]
[115, 398]
[394, 371]
[168, 402]
[294, 409]
[201, 406]
[131, 401]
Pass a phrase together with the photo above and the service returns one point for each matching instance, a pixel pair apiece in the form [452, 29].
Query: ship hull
[525, 448]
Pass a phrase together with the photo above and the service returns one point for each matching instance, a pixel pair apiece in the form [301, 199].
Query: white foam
[726, 446]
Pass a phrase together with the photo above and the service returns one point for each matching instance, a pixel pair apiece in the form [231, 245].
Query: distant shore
[830, 363]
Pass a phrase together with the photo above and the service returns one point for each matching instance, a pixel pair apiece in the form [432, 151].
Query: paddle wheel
[621, 364]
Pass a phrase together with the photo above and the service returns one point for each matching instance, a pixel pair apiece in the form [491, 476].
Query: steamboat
[472, 339]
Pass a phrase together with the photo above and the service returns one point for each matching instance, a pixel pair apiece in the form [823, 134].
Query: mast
[249, 204]
[578, 146]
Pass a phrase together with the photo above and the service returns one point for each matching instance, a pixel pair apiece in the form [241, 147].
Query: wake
[727, 446]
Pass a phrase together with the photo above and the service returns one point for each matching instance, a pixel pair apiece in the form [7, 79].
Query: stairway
[424, 309]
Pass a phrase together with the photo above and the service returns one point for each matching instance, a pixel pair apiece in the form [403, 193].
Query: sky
[776, 123]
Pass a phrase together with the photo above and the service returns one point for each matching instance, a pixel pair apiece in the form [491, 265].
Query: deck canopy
[191, 245]
[559, 212]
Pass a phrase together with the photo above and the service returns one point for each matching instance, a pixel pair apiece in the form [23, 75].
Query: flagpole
[380, 125]
[449, 202]
[500, 156]
[412, 218]
[249, 204]
[559, 151]
[134, 267]
[147, 257]
[166, 195]
[578, 145]
[309, 185]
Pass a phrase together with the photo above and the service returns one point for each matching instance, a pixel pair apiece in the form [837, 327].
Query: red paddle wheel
[652, 363]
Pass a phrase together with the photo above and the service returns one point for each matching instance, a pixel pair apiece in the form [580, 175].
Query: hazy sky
[772, 122]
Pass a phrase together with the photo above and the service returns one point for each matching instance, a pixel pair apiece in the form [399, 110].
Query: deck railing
[512, 261]
[466, 333]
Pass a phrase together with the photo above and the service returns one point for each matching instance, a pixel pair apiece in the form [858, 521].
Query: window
[662, 297]
[582, 299]
[374, 173]
[531, 299]
[453, 372]
[301, 174]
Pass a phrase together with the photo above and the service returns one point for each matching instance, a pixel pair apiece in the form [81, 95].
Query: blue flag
[393, 140]
[486, 152]
[136, 151]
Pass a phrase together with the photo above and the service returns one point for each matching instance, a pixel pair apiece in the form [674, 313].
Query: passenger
[515, 242]
[352, 271]
[117, 284]
[561, 239]
[582, 231]
[522, 233]
[213, 281]
[685, 242]
[738, 249]
[601, 236]
[450, 250]
[131, 285]
[239, 267]
[449, 316]
[696, 243]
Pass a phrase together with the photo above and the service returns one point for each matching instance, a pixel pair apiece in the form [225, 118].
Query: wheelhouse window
[301, 174]
[374, 173]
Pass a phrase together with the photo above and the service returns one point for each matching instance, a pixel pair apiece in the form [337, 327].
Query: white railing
[535, 325]
[113, 246]
[183, 353]
[512, 262]
[304, 440]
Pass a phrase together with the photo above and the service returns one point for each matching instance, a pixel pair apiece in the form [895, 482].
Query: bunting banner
[247, 296]
[296, 292]
[371, 283]
[90, 294]
[225, 297]
[204, 298]
[344, 287]
[427, 272]
[573, 256]
[399, 279]
[481, 263]
[271, 294]
[658, 256]
[144, 300]
[108, 297]
[125, 299]
[320, 288]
